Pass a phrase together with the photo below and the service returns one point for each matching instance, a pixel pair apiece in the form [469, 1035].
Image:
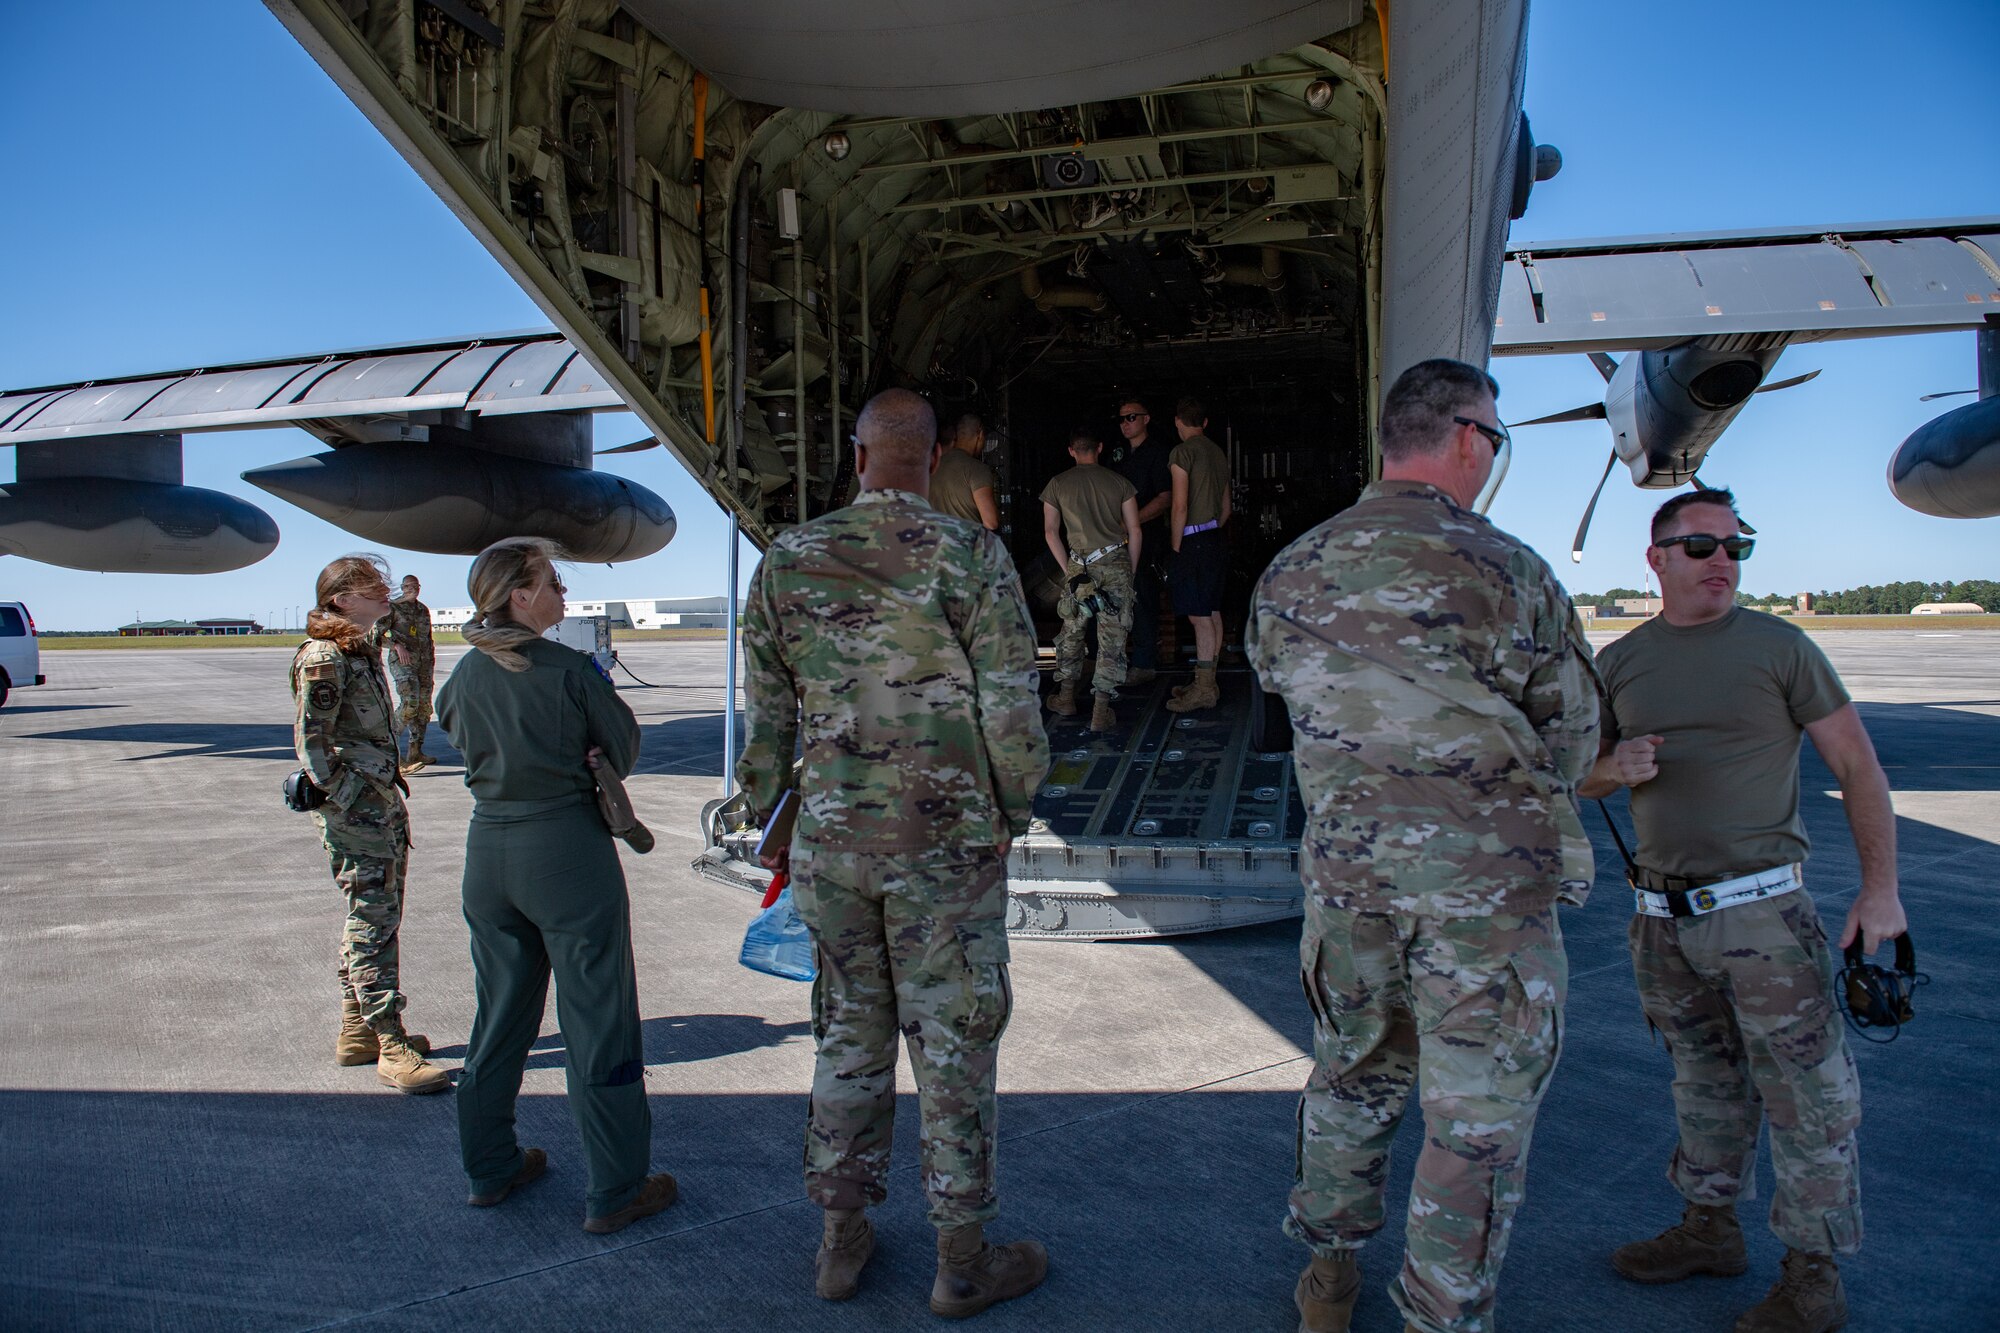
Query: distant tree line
[1888, 599]
[1896, 599]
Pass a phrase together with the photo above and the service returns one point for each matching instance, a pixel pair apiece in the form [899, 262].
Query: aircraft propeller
[648, 443]
[1607, 367]
[1948, 393]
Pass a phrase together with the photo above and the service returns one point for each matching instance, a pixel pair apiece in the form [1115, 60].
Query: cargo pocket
[1530, 1041]
[1309, 982]
[990, 1003]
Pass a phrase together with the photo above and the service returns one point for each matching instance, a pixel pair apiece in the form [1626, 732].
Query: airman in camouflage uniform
[1707, 704]
[898, 637]
[344, 741]
[412, 661]
[1444, 706]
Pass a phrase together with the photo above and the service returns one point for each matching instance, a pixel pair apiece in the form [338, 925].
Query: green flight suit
[544, 890]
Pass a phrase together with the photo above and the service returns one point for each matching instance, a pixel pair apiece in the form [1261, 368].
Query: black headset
[1873, 996]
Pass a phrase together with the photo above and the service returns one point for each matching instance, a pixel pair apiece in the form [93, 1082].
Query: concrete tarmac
[179, 1151]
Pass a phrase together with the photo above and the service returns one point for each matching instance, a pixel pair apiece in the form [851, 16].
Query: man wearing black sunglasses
[1443, 708]
[1707, 705]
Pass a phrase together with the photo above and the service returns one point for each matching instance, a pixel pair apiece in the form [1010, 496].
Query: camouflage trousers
[1468, 1010]
[1744, 998]
[915, 942]
[369, 954]
[413, 692]
[1113, 577]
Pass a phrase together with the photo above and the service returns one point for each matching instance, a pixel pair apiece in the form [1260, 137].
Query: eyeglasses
[1132, 416]
[1701, 545]
[556, 585]
[1495, 435]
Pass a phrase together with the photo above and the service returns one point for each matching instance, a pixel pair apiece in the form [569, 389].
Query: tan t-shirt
[1730, 700]
[1091, 499]
[1208, 477]
[958, 475]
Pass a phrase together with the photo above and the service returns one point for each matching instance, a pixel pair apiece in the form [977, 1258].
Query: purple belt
[1209, 526]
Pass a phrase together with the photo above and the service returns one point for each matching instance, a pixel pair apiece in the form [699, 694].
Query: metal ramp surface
[1169, 825]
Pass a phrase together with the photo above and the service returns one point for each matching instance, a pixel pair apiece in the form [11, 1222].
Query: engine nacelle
[451, 499]
[1667, 407]
[118, 525]
[1950, 467]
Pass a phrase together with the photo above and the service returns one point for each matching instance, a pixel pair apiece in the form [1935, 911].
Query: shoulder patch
[320, 671]
[323, 697]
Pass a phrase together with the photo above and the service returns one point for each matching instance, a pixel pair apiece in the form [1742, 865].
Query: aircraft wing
[1806, 284]
[442, 447]
[489, 377]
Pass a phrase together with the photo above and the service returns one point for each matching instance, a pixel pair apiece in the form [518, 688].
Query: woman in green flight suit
[544, 890]
[343, 737]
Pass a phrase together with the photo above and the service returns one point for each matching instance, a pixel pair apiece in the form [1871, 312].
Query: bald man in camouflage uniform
[902, 635]
[1444, 707]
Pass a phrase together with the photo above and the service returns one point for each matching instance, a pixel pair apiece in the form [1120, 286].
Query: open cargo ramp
[1170, 825]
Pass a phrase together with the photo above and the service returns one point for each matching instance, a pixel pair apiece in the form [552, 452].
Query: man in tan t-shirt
[1706, 706]
[1194, 529]
[1090, 520]
[962, 486]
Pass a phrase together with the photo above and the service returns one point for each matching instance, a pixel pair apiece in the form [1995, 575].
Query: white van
[20, 654]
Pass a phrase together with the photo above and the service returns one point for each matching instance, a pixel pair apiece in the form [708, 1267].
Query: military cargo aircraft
[744, 220]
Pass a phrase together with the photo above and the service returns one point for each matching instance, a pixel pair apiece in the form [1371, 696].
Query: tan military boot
[1063, 702]
[844, 1247]
[1706, 1241]
[972, 1275]
[356, 1044]
[1202, 693]
[402, 1067]
[1103, 717]
[657, 1192]
[1806, 1298]
[416, 758]
[1326, 1293]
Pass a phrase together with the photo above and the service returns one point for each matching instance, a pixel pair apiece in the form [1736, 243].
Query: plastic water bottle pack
[777, 941]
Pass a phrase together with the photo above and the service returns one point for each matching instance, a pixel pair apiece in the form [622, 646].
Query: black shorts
[1194, 574]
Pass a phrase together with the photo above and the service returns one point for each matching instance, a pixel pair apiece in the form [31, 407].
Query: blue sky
[188, 188]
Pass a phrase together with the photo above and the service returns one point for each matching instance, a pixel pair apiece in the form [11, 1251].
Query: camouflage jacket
[343, 736]
[1444, 704]
[901, 636]
[409, 624]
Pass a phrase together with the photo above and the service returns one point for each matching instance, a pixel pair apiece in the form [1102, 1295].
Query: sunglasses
[1701, 545]
[1132, 416]
[1495, 435]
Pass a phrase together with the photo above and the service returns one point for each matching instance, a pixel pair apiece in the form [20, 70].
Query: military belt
[1653, 893]
[1097, 555]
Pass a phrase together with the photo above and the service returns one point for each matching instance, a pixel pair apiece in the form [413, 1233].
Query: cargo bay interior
[752, 274]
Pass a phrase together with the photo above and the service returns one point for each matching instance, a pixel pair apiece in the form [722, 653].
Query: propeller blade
[1701, 485]
[1583, 528]
[1605, 365]
[1588, 412]
[1949, 393]
[1776, 385]
[648, 443]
